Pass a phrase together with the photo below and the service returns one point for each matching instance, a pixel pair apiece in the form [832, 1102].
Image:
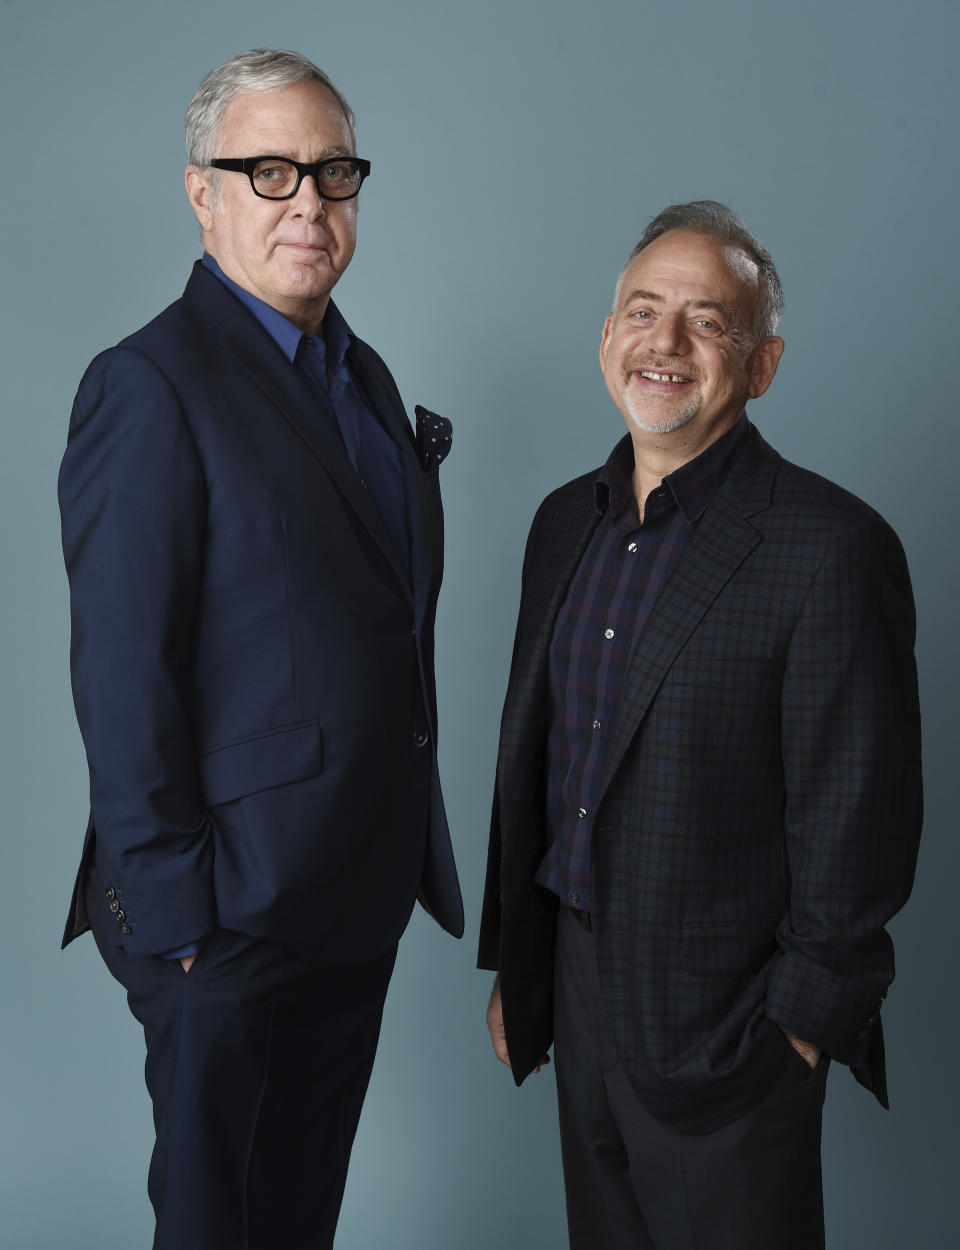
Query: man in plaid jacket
[708, 795]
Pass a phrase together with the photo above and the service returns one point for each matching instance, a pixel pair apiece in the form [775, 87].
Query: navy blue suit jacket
[252, 672]
[760, 800]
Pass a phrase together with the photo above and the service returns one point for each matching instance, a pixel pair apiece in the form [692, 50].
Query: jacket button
[114, 905]
[420, 739]
[110, 892]
[126, 930]
[121, 916]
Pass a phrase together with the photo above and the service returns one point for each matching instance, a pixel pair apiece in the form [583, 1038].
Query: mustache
[663, 364]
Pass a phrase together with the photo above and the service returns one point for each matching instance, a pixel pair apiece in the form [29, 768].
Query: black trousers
[632, 1183]
[257, 1066]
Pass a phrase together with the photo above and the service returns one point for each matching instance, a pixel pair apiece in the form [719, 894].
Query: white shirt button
[608, 633]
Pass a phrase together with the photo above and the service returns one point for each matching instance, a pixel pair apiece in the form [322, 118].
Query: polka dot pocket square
[434, 436]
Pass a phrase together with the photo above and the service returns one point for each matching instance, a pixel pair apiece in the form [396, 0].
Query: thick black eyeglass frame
[247, 164]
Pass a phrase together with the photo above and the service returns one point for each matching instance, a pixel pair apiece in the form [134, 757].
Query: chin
[299, 270]
[312, 288]
[665, 424]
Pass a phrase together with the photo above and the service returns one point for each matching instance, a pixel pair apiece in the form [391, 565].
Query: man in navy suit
[253, 537]
[708, 787]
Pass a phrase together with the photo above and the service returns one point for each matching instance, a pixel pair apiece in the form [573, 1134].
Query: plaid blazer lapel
[723, 539]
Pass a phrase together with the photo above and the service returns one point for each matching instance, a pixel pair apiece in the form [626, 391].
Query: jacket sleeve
[133, 508]
[851, 758]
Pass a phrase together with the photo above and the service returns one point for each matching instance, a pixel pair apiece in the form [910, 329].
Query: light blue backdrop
[518, 148]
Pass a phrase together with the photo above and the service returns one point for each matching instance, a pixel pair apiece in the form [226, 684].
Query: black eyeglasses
[279, 178]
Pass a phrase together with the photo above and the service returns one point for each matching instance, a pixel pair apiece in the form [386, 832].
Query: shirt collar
[692, 486]
[287, 336]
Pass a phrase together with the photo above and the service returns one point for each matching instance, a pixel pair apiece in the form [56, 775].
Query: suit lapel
[562, 551]
[383, 397]
[253, 351]
[723, 539]
[721, 542]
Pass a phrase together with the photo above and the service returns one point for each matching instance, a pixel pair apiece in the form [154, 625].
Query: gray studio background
[518, 149]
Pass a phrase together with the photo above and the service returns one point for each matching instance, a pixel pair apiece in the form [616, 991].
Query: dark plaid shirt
[619, 579]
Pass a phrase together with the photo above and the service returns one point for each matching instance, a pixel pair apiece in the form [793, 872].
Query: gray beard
[668, 424]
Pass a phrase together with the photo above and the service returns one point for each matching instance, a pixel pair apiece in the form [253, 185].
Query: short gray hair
[711, 218]
[260, 69]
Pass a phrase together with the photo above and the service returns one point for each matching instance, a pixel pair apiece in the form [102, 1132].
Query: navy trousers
[632, 1183]
[257, 1066]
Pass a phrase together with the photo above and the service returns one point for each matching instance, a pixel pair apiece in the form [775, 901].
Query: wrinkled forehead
[304, 113]
[683, 265]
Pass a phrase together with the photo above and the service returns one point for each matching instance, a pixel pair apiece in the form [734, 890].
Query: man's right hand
[495, 1025]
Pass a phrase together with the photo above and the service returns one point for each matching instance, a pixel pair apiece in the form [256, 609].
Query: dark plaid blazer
[761, 798]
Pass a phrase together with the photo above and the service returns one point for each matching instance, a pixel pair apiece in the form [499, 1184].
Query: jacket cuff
[834, 1012]
[151, 909]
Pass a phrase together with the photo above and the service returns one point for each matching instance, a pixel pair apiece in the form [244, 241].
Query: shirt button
[309, 344]
[596, 724]
[608, 633]
[420, 738]
[581, 812]
[631, 547]
[574, 898]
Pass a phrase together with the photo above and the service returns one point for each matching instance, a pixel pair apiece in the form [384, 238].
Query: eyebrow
[326, 154]
[653, 298]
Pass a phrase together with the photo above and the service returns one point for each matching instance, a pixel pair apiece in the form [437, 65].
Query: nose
[308, 201]
[669, 335]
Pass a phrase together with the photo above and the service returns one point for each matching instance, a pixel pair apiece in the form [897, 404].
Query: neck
[309, 322]
[307, 314]
[656, 456]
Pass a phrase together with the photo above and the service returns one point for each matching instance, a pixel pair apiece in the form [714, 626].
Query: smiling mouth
[662, 377]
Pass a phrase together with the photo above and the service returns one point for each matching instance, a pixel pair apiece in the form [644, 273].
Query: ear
[762, 364]
[199, 194]
[605, 339]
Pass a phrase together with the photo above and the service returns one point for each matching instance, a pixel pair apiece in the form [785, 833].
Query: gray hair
[260, 69]
[719, 222]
